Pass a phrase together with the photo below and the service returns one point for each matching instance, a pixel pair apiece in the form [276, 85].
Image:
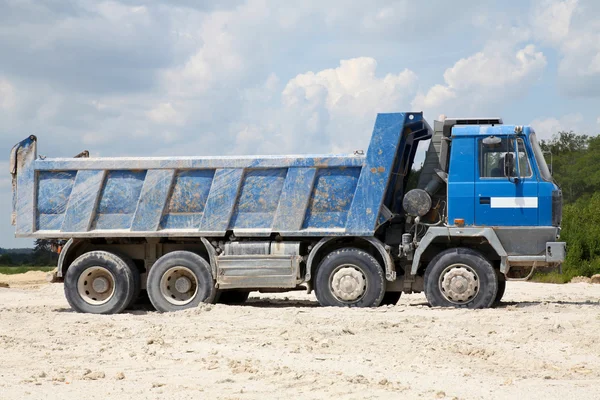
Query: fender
[435, 232]
[390, 268]
[70, 245]
[212, 256]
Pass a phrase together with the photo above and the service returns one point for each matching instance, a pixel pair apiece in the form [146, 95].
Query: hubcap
[96, 285]
[100, 284]
[348, 283]
[459, 283]
[183, 284]
[179, 285]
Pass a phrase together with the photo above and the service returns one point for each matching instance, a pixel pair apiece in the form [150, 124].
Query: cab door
[501, 200]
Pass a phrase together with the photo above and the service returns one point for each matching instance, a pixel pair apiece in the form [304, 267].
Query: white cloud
[546, 127]
[351, 88]
[7, 95]
[483, 78]
[165, 113]
[330, 110]
[572, 28]
[551, 20]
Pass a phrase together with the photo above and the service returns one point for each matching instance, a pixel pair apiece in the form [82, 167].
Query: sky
[184, 77]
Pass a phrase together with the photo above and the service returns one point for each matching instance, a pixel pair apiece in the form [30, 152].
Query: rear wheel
[460, 277]
[180, 280]
[233, 296]
[137, 280]
[349, 277]
[391, 298]
[99, 282]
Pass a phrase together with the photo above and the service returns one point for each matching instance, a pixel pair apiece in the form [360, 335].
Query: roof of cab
[479, 130]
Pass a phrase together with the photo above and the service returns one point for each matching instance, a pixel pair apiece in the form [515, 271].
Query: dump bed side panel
[209, 196]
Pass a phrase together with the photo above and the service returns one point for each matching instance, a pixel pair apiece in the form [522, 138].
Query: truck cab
[499, 177]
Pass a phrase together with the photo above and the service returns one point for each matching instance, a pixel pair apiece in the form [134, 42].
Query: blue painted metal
[221, 200]
[466, 188]
[82, 202]
[153, 198]
[313, 195]
[461, 181]
[375, 174]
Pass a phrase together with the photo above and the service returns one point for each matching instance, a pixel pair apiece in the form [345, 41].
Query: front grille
[556, 207]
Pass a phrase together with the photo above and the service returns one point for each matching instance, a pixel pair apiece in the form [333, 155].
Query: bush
[581, 231]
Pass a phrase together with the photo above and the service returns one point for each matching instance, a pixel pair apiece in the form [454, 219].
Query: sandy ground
[542, 343]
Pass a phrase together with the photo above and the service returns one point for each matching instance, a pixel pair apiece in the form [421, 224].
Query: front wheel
[461, 277]
[349, 277]
[501, 288]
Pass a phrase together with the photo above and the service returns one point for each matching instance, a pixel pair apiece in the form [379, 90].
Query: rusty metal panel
[256, 271]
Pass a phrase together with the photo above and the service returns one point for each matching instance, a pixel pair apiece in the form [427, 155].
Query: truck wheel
[233, 296]
[99, 282]
[137, 280]
[460, 277]
[349, 277]
[390, 298]
[501, 288]
[180, 280]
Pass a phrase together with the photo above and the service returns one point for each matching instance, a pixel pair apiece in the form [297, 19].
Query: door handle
[484, 200]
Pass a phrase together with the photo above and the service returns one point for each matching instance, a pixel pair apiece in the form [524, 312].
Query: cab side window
[492, 159]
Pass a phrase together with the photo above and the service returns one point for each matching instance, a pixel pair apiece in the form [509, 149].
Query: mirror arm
[517, 169]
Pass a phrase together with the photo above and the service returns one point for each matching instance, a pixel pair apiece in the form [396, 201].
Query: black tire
[195, 268]
[363, 263]
[121, 280]
[137, 279]
[501, 288]
[390, 298]
[485, 281]
[233, 297]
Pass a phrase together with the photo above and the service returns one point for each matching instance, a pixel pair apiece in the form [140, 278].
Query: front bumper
[555, 252]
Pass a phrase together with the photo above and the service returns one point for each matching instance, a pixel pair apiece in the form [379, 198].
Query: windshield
[539, 156]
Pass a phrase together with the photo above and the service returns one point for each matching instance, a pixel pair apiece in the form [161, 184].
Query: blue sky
[185, 77]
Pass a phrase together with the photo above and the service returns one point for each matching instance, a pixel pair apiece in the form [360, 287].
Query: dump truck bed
[312, 195]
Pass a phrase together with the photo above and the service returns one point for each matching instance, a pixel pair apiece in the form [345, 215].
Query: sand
[542, 343]
[28, 280]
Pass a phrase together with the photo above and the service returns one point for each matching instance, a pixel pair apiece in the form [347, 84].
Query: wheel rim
[348, 283]
[179, 285]
[96, 285]
[459, 283]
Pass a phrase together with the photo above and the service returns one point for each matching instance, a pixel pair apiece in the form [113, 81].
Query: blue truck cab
[357, 229]
[480, 193]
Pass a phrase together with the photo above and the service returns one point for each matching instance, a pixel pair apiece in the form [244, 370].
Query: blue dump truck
[358, 229]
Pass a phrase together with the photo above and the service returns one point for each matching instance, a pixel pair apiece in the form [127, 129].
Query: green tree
[6, 259]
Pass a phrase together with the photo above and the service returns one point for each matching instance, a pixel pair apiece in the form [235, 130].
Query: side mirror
[509, 164]
[510, 168]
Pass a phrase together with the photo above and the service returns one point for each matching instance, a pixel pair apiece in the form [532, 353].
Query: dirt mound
[29, 278]
[581, 279]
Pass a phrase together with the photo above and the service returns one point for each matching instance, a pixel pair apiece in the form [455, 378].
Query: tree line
[575, 164]
[43, 254]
